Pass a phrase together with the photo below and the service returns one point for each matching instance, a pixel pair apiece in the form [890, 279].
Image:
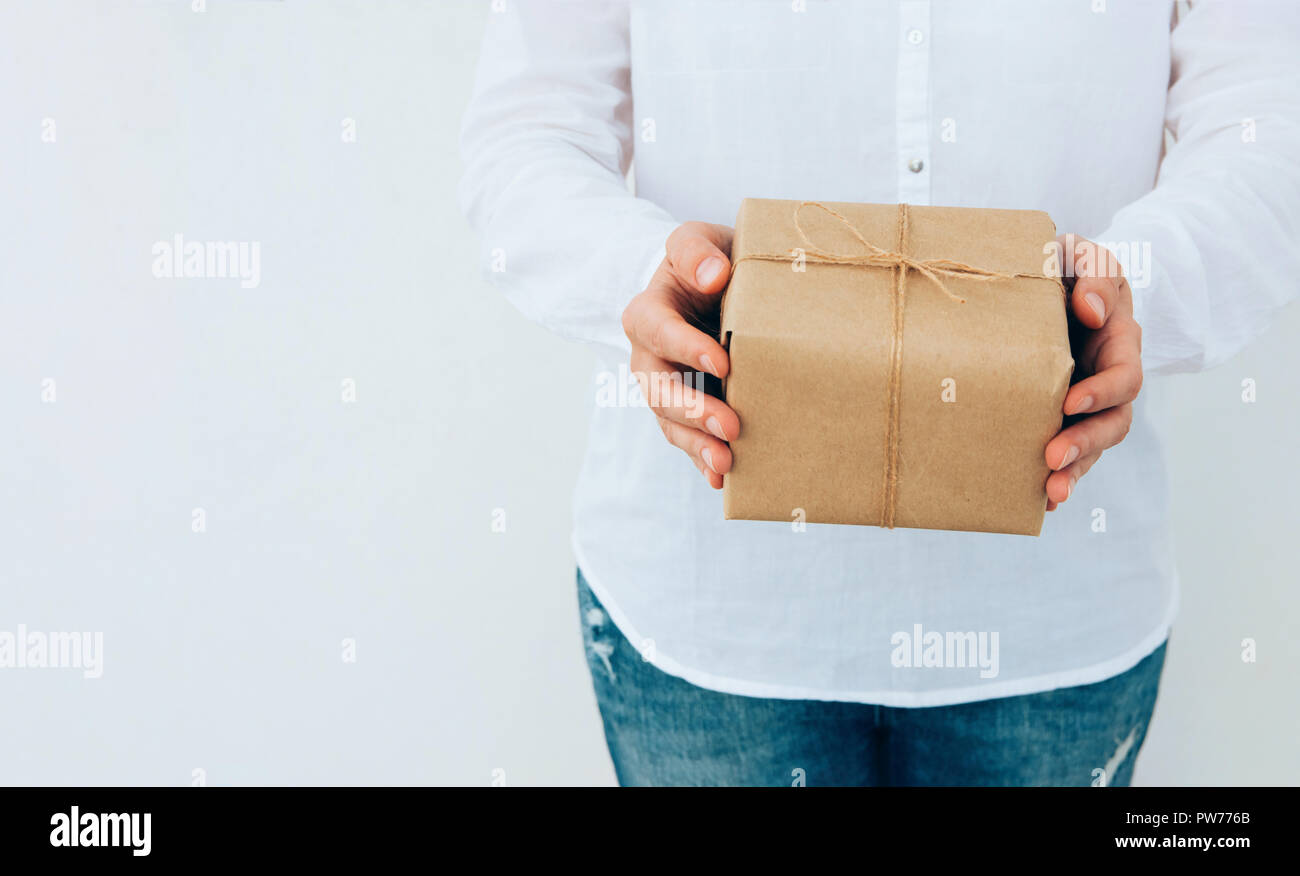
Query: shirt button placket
[913, 102]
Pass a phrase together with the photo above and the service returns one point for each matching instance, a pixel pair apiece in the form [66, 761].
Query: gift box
[894, 365]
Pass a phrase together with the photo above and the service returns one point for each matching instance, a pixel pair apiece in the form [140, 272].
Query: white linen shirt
[1055, 105]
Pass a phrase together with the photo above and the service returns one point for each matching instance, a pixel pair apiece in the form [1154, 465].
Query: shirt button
[916, 165]
[915, 37]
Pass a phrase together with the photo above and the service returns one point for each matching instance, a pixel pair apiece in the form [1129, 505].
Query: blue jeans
[662, 730]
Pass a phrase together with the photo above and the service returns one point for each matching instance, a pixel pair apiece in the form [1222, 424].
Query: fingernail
[707, 364]
[1084, 404]
[715, 427]
[707, 455]
[1069, 488]
[1095, 302]
[708, 271]
[1070, 456]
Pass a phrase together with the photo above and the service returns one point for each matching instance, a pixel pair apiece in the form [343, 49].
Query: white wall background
[370, 520]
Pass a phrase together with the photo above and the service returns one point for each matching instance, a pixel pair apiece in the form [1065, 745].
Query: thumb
[698, 256]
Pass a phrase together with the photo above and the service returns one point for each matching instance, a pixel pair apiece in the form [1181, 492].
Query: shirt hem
[951, 696]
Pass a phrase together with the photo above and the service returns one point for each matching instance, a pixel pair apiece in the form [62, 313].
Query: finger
[1097, 287]
[697, 254]
[652, 324]
[1090, 435]
[1060, 484]
[1093, 300]
[677, 396]
[714, 479]
[704, 449]
[1118, 380]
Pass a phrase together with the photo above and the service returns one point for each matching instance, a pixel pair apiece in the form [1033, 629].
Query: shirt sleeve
[547, 142]
[1224, 218]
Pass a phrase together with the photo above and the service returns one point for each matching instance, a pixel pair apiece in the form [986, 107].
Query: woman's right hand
[669, 325]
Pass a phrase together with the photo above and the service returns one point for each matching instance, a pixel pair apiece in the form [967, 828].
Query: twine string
[889, 489]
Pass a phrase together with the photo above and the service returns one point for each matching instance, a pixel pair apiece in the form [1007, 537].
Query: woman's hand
[672, 326]
[1107, 346]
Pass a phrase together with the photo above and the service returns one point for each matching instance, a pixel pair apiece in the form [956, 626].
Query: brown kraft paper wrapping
[973, 395]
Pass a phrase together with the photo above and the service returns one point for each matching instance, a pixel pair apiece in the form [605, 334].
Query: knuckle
[630, 318]
[657, 331]
[682, 238]
[642, 379]
[643, 328]
[636, 361]
[656, 398]
[1102, 286]
[666, 426]
[695, 251]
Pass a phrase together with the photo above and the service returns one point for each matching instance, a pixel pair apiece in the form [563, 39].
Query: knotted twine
[875, 257]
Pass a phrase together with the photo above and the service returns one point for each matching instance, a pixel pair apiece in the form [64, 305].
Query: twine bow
[932, 269]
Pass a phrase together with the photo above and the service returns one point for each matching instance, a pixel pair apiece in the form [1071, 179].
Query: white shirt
[1055, 105]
